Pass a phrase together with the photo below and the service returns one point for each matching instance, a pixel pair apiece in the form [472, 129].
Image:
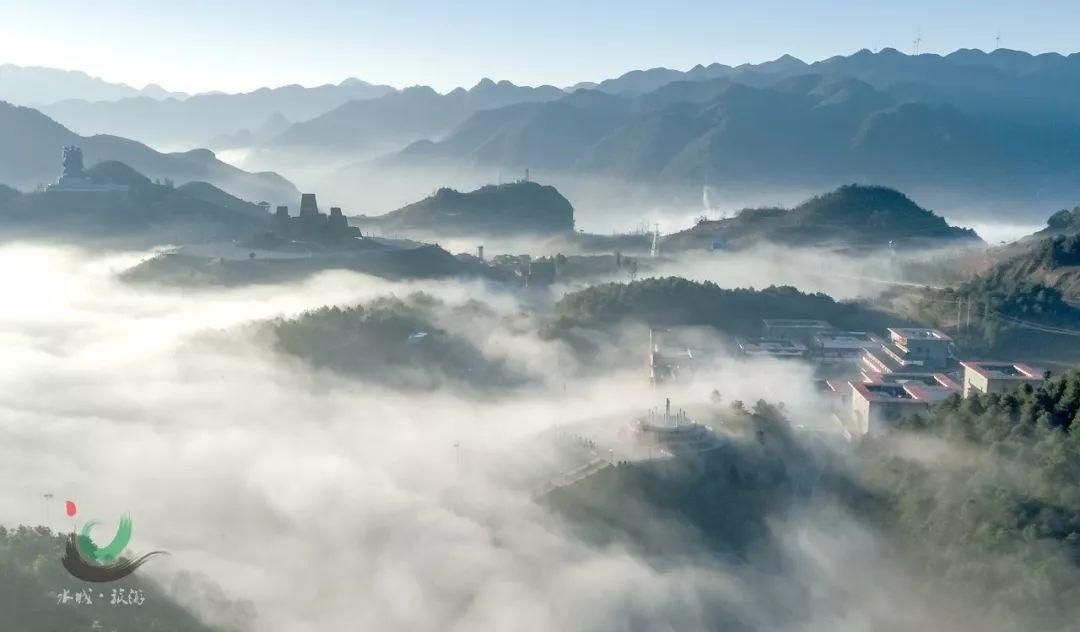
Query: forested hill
[31, 153]
[852, 215]
[977, 529]
[147, 213]
[521, 207]
[674, 301]
[32, 585]
[1053, 262]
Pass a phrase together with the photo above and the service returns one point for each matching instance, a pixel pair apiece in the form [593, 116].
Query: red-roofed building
[998, 377]
[876, 405]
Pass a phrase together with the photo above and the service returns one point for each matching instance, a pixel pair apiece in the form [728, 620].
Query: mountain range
[196, 120]
[37, 86]
[1005, 124]
[31, 155]
[395, 120]
[969, 119]
[808, 128]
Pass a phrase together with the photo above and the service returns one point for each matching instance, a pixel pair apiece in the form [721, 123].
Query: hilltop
[674, 301]
[850, 216]
[1052, 262]
[1064, 222]
[520, 207]
[148, 212]
[30, 156]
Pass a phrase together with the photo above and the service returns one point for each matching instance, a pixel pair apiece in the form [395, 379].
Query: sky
[240, 45]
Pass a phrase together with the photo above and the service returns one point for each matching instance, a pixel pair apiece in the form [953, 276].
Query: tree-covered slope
[674, 301]
[33, 582]
[149, 212]
[31, 152]
[969, 514]
[852, 215]
[520, 207]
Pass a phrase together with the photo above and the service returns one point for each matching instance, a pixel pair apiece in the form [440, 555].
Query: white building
[998, 377]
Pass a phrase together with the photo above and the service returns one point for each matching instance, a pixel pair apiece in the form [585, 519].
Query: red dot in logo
[70, 508]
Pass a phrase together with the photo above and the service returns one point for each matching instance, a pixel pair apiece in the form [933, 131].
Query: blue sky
[234, 45]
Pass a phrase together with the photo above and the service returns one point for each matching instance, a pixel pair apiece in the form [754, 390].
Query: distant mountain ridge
[807, 130]
[30, 156]
[38, 86]
[200, 118]
[396, 120]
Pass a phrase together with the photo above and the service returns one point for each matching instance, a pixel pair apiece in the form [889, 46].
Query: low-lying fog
[332, 504]
[607, 205]
[324, 501]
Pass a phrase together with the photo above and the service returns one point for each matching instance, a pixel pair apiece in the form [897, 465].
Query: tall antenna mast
[997, 40]
[917, 43]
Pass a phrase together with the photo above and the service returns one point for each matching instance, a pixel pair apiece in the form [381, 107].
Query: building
[75, 180]
[908, 351]
[876, 406]
[312, 225]
[801, 330]
[998, 377]
[842, 345]
[928, 347]
[674, 433]
[772, 348]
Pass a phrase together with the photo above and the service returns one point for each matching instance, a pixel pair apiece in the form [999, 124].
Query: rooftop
[1003, 370]
[884, 392]
[771, 346]
[796, 322]
[918, 333]
[931, 380]
[846, 337]
[921, 390]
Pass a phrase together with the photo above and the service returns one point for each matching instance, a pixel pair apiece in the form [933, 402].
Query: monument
[75, 180]
[311, 225]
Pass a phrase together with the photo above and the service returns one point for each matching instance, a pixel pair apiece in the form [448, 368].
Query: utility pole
[967, 319]
[48, 501]
[959, 304]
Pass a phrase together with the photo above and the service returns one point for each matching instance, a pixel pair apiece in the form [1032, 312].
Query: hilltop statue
[73, 162]
[75, 179]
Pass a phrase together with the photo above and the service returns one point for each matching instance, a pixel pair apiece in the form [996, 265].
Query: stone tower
[308, 205]
[280, 223]
[337, 221]
[73, 162]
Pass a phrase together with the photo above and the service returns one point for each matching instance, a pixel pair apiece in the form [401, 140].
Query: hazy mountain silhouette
[31, 155]
[36, 86]
[999, 122]
[197, 119]
[803, 129]
[397, 119]
[148, 212]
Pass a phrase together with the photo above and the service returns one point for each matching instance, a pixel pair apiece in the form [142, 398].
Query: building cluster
[311, 225]
[885, 378]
